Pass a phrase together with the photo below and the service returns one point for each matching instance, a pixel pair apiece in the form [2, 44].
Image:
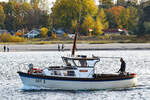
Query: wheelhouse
[80, 61]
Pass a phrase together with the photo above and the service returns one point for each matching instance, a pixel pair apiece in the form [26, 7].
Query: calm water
[10, 84]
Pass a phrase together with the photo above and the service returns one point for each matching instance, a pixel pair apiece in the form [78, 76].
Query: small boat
[78, 73]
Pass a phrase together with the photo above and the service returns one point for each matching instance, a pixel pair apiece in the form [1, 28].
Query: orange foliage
[17, 5]
[36, 5]
[116, 11]
[65, 34]
[9, 38]
[19, 34]
[54, 36]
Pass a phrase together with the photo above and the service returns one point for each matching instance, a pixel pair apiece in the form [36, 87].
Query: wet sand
[54, 47]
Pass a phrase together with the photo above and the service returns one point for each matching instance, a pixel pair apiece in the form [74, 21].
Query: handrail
[106, 57]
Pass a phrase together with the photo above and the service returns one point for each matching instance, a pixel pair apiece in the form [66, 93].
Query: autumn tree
[44, 32]
[2, 17]
[103, 18]
[117, 12]
[98, 27]
[88, 23]
[67, 12]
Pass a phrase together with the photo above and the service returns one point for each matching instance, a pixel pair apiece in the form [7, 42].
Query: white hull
[78, 85]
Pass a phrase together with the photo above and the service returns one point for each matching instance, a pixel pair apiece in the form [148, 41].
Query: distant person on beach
[7, 49]
[58, 47]
[123, 66]
[62, 47]
[4, 48]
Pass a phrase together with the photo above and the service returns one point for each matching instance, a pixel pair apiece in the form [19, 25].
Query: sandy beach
[54, 47]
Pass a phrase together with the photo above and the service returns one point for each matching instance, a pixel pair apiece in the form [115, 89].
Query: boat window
[57, 73]
[81, 63]
[65, 73]
[85, 63]
[71, 73]
[69, 62]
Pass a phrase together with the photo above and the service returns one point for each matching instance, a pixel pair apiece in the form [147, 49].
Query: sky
[4, 0]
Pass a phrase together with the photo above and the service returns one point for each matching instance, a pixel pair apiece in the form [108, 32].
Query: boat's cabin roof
[80, 61]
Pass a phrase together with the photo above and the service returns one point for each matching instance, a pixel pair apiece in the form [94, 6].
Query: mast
[74, 42]
[76, 33]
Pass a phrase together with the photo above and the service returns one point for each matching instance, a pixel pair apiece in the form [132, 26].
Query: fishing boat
[78, 73]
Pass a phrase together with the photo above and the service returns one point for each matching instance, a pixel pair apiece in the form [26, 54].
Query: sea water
[137, 61]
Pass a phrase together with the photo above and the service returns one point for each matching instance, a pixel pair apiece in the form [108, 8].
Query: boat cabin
[79, 66]
[80, 61]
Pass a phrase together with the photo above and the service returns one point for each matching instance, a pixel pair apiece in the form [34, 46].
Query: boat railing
[108, 57]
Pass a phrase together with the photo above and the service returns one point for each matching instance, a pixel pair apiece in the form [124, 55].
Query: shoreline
[80, 47]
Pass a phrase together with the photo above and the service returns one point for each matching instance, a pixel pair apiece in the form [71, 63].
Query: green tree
[25, 12]
[111, 19]
[133, 18]
[10, 18]
[124, 18]
[18, 15]
[2, 17]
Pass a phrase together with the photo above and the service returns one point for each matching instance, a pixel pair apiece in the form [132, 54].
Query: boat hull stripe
[72, 79]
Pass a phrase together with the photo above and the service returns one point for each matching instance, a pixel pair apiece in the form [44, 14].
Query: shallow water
[10, 83]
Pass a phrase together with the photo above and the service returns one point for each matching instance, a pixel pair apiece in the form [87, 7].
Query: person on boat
[30, 71]
[123, 66]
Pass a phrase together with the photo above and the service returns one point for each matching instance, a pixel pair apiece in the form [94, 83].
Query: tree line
[124, 14]
[68, 14]
[17, 16]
